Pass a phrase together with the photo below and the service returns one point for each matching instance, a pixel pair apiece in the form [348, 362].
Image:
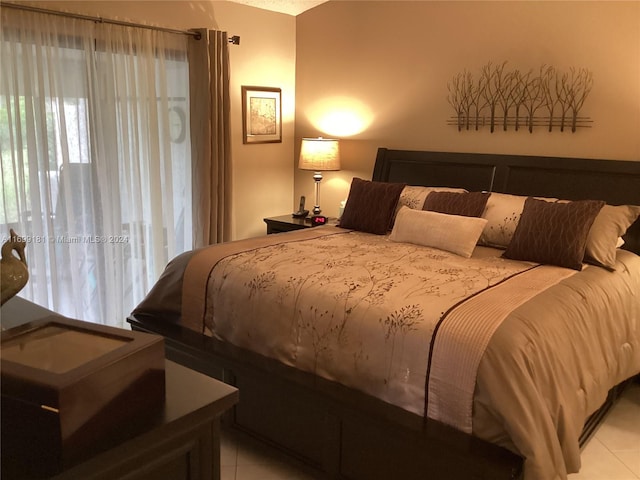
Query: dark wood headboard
[614, 181]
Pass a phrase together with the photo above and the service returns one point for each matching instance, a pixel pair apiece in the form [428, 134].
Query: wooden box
[71, 388]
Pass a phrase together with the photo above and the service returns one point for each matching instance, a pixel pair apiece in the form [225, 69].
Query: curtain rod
[234, 39]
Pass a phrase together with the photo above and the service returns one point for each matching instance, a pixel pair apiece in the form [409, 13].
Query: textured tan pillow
[371, 206]
[553, 232]
[468, 204]
[453, 233]
[611, 223]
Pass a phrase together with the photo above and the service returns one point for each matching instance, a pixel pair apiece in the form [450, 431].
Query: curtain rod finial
[235, 39]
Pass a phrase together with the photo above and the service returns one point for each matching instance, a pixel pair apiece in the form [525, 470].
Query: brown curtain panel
[210, 137]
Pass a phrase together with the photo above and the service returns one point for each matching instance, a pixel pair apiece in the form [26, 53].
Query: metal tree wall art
[511, 98]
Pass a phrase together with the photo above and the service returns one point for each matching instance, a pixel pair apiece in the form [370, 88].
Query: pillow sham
[502, 213]
[413, 196]
[553, 233]
[610, 224]
[371, 206]
[468, 204]
[452, 233]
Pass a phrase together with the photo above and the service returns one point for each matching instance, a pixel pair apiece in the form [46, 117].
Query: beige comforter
[361, 310]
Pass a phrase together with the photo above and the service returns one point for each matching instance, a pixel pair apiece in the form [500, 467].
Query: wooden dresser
[181, 441]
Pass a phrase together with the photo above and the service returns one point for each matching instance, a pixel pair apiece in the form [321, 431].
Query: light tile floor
[612, 454]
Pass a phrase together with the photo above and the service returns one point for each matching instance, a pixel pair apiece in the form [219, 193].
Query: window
[94, 159]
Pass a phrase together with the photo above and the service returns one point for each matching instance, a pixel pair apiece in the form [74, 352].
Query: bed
[337, 373]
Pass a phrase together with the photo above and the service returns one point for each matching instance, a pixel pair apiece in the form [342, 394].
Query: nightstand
[286, 223]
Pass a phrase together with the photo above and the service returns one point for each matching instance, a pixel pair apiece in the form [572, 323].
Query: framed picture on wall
[261, 115]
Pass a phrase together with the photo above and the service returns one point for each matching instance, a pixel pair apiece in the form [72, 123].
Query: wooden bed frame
[345, 434]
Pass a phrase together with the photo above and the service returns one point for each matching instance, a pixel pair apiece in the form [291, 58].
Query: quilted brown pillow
[371, 206]
[553, 233]
[467, 204]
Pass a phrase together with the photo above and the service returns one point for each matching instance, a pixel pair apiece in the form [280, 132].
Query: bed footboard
[341, 433]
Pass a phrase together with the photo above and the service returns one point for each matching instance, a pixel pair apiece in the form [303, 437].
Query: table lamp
[320, 155]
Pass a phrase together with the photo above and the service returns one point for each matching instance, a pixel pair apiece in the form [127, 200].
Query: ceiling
[290, 7]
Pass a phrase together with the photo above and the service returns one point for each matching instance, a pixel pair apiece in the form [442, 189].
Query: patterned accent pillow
[413, 196]
[453, 233]
[611, 223]
[502, 213]
[371, 206]
[467, 204]
[553, 233]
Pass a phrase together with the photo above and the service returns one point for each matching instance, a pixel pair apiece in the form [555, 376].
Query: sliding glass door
[94, 159]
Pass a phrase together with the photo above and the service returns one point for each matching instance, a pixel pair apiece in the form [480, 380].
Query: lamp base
[317, 176]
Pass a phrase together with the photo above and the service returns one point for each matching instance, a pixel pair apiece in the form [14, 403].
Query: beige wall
[387, 64]
[263, 176]
[375, 73]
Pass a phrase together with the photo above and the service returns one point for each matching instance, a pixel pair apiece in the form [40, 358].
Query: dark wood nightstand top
[286, 223]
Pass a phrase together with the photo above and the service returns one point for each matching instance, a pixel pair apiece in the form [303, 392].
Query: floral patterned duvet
[362, 311]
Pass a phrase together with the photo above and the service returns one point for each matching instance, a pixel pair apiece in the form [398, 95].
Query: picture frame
[261, 115]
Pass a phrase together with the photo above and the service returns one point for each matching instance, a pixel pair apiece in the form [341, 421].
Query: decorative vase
[13, 270]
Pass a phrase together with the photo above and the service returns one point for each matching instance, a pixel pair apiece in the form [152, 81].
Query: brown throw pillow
[371, 206]
[467, 204]
[553, 233]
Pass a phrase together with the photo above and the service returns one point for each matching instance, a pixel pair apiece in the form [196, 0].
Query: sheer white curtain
[95, 158]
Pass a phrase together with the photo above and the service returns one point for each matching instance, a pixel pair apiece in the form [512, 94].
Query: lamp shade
[319, 154]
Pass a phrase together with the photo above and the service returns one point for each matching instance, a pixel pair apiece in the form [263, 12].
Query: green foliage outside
[15, 196]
